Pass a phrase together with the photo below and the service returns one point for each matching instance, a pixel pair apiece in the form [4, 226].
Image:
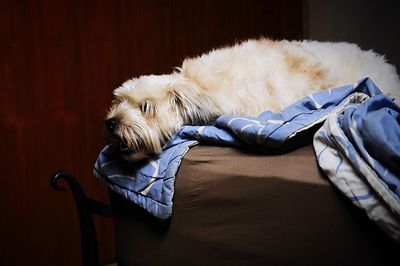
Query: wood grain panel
[59, 62]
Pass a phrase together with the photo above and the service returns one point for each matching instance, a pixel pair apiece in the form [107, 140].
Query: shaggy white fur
[244, 79]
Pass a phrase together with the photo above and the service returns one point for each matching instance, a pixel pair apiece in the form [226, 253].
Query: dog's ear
[126, 88]
[120, 91]
[194, 106]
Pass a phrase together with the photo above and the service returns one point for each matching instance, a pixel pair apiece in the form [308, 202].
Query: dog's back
[274, 74]
[347, 63]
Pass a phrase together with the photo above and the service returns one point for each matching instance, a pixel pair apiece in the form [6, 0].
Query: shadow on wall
[372, 24]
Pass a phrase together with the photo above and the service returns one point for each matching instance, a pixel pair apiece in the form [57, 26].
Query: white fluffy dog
[245, 79]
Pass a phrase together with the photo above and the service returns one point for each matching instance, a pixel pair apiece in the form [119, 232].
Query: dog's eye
[147, 108]
[142, 107]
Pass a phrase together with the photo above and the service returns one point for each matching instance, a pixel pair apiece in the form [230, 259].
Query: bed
[284, 213]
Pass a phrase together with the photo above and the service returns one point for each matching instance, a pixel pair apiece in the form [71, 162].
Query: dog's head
[148, 110]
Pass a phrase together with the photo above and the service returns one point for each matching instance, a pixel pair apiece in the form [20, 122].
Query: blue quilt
[359, 150]
[150, 184]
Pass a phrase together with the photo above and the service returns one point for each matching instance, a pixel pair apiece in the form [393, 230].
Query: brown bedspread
[235, 208]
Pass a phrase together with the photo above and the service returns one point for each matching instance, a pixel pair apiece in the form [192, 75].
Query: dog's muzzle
[111, 126]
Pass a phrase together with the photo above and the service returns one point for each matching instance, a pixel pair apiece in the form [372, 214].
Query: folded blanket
[359, 150]
[150, 184]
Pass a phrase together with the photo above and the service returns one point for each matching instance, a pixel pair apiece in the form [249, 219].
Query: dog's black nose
[111, 124]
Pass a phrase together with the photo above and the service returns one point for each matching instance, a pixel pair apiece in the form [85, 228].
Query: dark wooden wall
[59, 62]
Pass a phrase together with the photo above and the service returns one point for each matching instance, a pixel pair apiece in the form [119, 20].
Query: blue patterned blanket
[150, 184]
